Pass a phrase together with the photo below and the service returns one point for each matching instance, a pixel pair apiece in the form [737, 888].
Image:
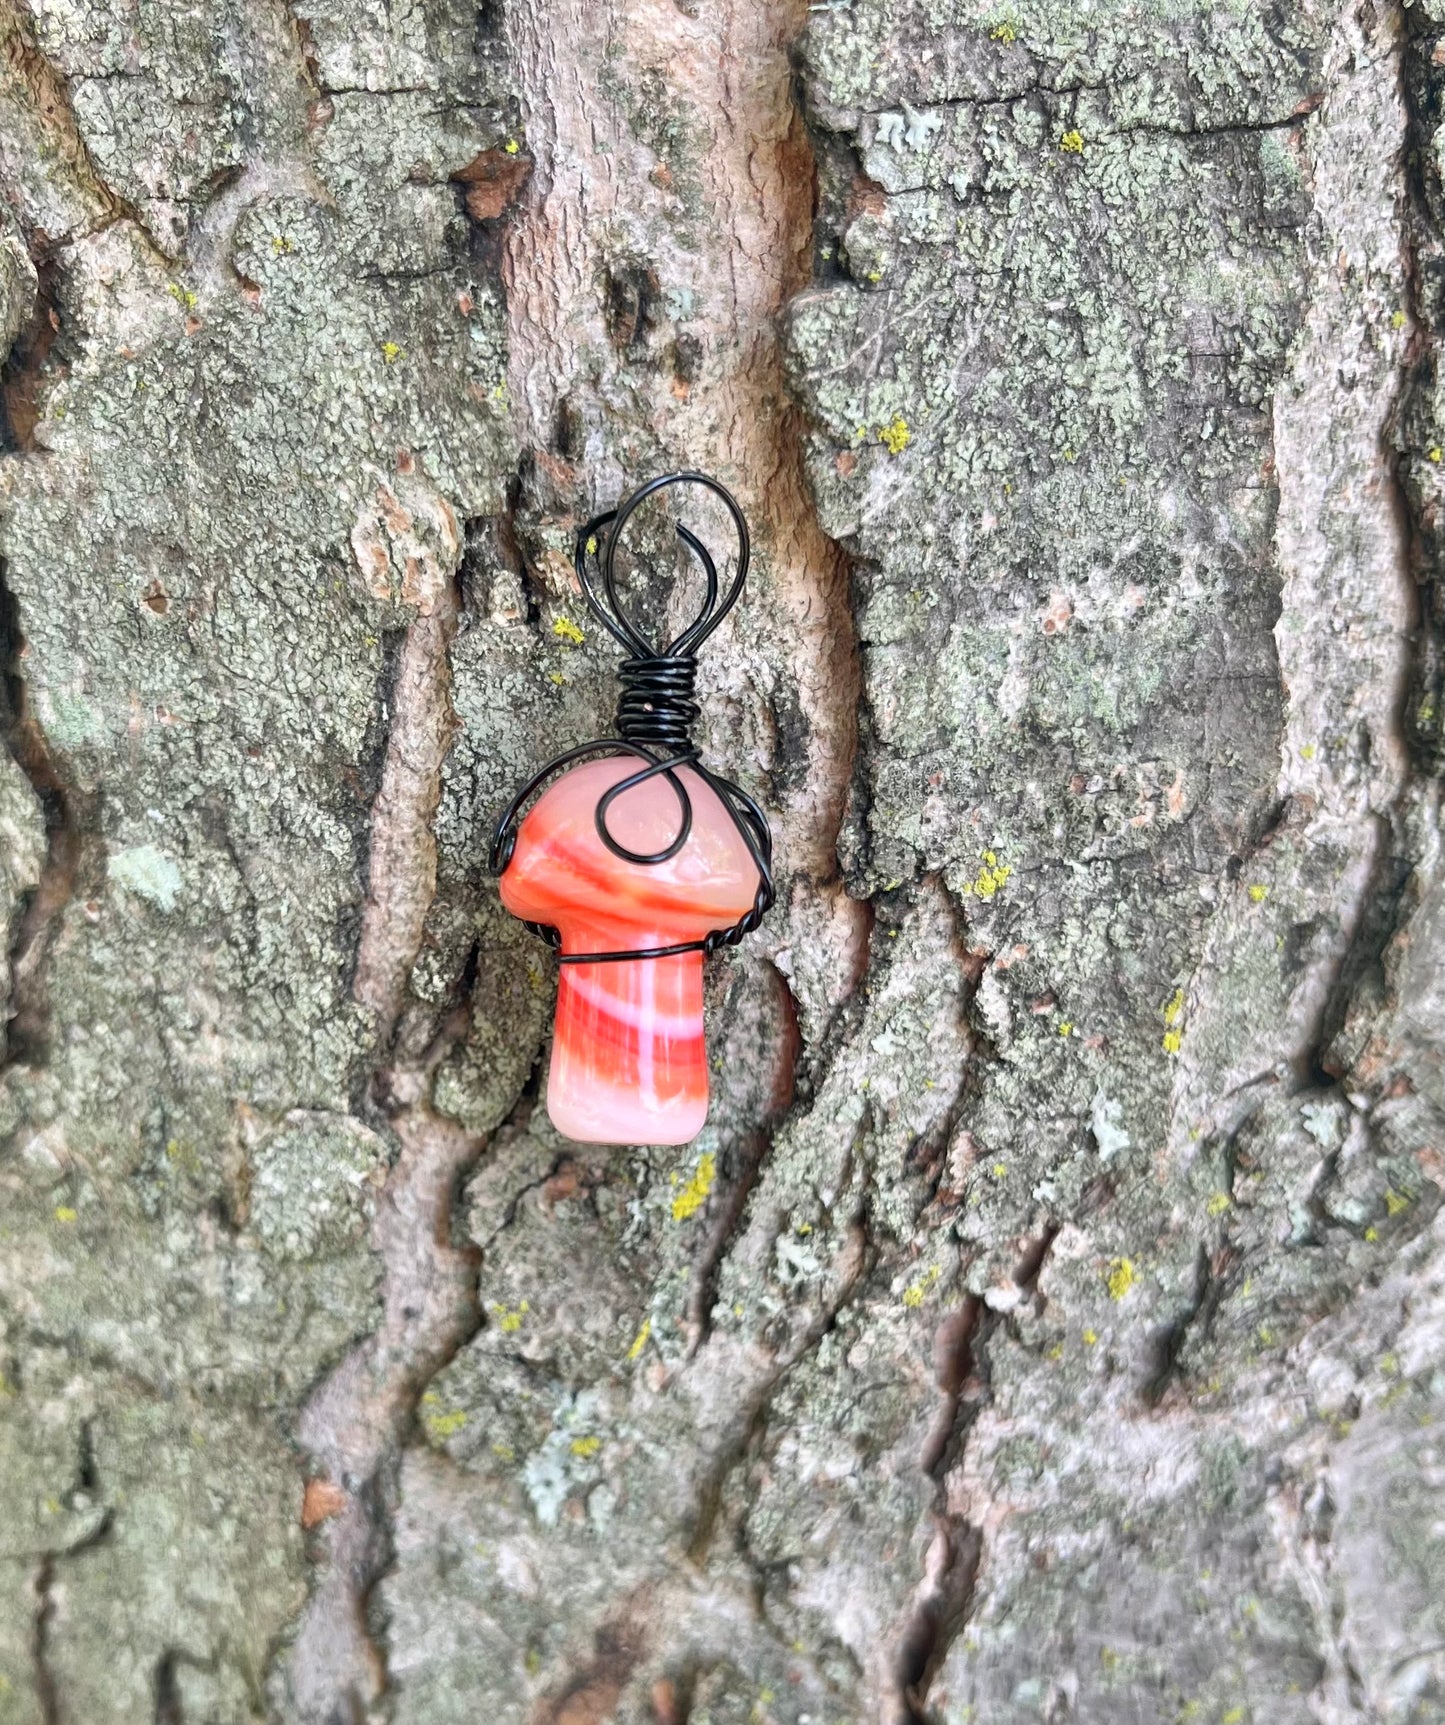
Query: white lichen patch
[148, 872]
[1106, 1123]
[313, 1185]
[568, 1457]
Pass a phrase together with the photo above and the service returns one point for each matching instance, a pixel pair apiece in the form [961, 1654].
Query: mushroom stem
[629, 1065]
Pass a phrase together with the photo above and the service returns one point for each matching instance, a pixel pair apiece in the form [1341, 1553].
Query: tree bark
[1049, 1323]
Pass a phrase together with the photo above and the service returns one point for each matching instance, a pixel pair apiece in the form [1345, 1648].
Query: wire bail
[655, 713]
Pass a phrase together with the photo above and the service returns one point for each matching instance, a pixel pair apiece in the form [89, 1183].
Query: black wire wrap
[655, 714]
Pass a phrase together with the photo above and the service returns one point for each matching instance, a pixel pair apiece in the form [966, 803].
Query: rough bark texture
[1050, 1323]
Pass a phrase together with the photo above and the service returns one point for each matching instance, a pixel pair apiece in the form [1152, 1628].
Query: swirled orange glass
[629, 1061]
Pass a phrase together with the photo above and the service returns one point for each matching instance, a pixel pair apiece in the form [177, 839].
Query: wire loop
[655, 712]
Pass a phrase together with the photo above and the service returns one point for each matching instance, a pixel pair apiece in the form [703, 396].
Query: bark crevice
[46, 1691]
[355, 1422]
[26, 1033]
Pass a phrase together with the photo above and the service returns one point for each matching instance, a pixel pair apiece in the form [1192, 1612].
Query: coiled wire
[655, 713]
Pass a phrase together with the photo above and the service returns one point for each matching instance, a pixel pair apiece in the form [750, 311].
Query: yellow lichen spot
[566, 630]
[1398, 320]
[1259, 892]
[1266, 1336]
[282, 243]
[990, 877]
[1072, 143]
[64, 1213]
[1056, 1352]
[1395, 1202]
[586, 1446]
[1090, 1338]
[1070, 453]
[1437, 454]
[499, 392]
[1372, 1235]
[1235, 1716]
[1389, 1365]
[693, 1195]
[390, 352]
[1005, 32]
[875, 275]
[918, 1291]
[1121, 1277]
[533, 1661]
[182, 296]
[1066, 1027]
[440, 1427]
[509, 1321]
[895, 436]
[803, 1229]
[639, 1341]
[999, 1170]
[1173, 1012]
[556, 677]
[1307, 752]
[592, 546]
[1219, 1203]
[503, 1451]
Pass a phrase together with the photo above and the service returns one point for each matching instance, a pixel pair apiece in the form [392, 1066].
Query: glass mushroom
[629, 1063]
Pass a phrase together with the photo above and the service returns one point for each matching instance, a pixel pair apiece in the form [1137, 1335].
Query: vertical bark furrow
[39, 868]
[354, 1424]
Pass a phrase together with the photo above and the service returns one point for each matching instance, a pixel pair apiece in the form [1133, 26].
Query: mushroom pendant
[635, 863]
